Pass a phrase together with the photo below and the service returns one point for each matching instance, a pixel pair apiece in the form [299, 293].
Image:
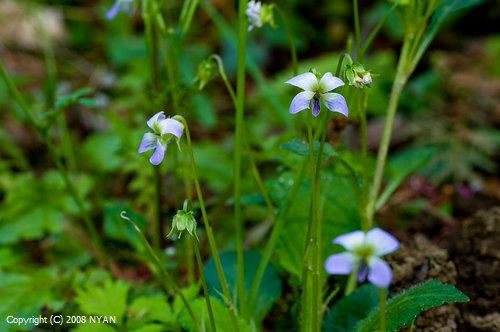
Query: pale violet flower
[164, 130]
[259, 14]
[316, 90]
[119, 6]
[364, 251]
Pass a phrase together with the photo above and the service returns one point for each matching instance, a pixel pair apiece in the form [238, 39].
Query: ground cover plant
[249, 165]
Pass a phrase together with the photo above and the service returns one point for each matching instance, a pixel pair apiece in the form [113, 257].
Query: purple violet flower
[364, 251]
[119, 6]
[315, 90]
[164, 129]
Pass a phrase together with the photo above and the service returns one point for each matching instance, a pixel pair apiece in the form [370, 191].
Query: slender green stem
[412, 325]
[204, 283]
[240, 105]
[352, 281]
[377, 28]
[364, 193]
[397, 87]
[43, 133]
[276, 232]
[382, 310]
[189, 17]
[208, 228]
[163, 274]
[357, 30]
[291, 41]
[189, 196]
[313, 227]
[253, 165]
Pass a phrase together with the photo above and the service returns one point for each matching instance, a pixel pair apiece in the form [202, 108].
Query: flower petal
[342, 263]
[113, 10]
[301, 101]
[380, 273]
[335, 103]
[316, 107]
[171, 126]
[155, 119]
[148, 142]
[306, 81]
[329, 82]
[350, 240]
[383, 242]
[157, 157]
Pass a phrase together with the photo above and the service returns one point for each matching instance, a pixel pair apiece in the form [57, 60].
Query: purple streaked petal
[155, 119]
[316, 107]
[171, 126]
[301, 101]
[306, 81]
[350, 240]
[157, 157]
[380, 273]
[329, 82]
[113, 10]
[342, 263]
[148, 142]
[335, 102]
[383, 242]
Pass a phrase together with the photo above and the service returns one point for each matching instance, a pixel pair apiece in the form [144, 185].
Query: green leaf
[302, 148]
[110, 299]
[270, 288]
[204, 110]
[101, 151]
[71, 98]
[405, 306]
[221, 316]
[349, 310]
[146, 310]
[339, 215]
[24, 295]
[190, 292]
[402, 165]
[446, 8]
[89, 102]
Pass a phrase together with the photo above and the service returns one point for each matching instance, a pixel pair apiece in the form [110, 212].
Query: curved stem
[208, 228]
[291, 41]
[204, 283]
[165, 277]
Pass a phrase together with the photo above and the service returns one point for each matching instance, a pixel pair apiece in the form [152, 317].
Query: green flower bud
[357, 76]
[207, 71]
[183, 221]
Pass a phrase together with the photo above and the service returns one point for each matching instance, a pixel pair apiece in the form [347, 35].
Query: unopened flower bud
[183, 221]
[207, 71]
[357, 76]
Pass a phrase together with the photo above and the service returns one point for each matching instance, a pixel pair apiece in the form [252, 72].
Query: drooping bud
[357, 75]
[183, 221]
[207, 71]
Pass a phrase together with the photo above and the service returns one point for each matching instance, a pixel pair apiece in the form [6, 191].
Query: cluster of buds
[357, 76]
[259, 14]
[183, 221]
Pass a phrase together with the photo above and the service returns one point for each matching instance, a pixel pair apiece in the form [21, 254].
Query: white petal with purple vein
[306, 81]
[335, 102]
[383, 242]
[329, 82]
[301, 101]
[148, 142]
[351, 240]
[171, 126]
[380, 273]
[342, 263]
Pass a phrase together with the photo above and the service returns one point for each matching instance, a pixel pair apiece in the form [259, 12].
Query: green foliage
[402, 165]
[405, 306]
[270, 288]
[23, 295]
[221, 316]
[349, 310]
[101, 152]
[110, 299]
[338, 215]
[302, 148]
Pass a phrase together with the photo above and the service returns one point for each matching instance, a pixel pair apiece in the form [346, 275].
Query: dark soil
[471, 262]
